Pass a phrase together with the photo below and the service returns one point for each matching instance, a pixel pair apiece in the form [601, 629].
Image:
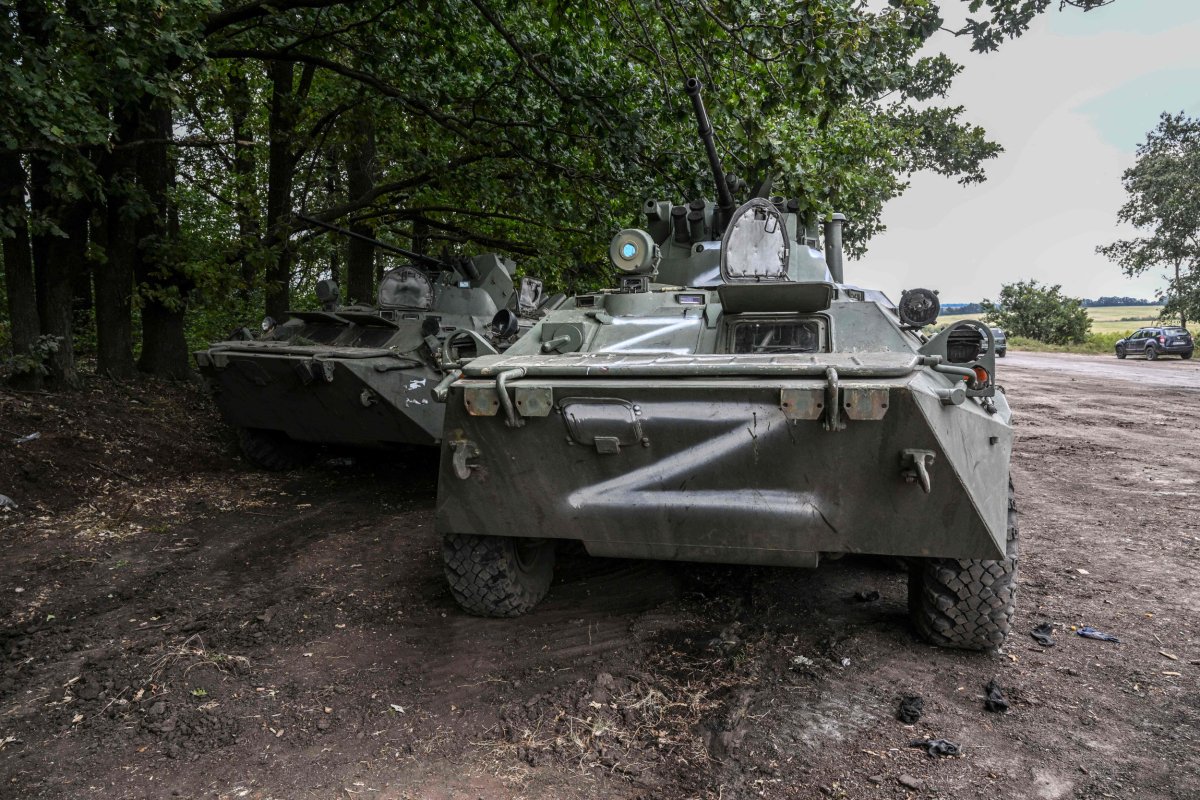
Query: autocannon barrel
[724, 198]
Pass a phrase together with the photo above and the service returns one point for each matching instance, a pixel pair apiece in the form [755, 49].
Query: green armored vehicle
[735, 400]
[363, 376]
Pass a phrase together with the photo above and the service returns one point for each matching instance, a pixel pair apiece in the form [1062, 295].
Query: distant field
[1109, 319]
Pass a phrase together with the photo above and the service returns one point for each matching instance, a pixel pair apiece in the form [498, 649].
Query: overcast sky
[1069, 101]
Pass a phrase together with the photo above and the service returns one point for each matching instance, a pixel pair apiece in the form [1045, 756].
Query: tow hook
[915, 466]
[464, 453]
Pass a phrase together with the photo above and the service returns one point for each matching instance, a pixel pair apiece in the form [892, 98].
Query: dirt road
[1167, 371]
[175, 625]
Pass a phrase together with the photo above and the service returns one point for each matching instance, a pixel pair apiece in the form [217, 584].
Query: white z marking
[637, 489]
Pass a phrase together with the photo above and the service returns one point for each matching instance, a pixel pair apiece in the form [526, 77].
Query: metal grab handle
[441, 392]
[510, 411]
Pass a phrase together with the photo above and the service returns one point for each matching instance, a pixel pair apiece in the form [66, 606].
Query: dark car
[1158, 341]
[1001, 342]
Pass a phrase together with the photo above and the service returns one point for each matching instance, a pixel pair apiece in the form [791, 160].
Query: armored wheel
[272, 450]
[966, 603]
[1151, 352]
[497, 576]
[1120, 352]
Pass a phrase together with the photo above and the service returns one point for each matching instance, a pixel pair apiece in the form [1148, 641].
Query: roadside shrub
[1033, 311]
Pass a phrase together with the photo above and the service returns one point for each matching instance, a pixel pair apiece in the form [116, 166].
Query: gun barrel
[391, 248]
[724, 198]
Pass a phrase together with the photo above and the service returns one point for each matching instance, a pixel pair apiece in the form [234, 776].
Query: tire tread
[966, 603]
[486, 578]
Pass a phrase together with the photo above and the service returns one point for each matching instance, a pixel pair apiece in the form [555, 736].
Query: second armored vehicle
[362, 375]
[735, 400]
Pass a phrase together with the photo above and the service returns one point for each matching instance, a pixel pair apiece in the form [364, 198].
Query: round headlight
[268, 324]
[634, 251]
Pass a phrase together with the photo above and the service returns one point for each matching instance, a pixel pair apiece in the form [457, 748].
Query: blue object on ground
[1091, 633]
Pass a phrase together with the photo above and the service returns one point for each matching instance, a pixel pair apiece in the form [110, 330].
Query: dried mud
[174, 624]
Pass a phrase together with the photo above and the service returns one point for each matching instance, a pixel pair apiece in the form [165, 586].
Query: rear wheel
[272, 450]
[1186, 355]
[497, 576]
[1151, 352]
[1120, 352]
[966, 603]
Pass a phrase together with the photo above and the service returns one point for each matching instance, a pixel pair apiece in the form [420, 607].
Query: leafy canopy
[1163, 188]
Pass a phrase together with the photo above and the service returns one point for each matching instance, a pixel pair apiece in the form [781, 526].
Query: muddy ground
[174, 624]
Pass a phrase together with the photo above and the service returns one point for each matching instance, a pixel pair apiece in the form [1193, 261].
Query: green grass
[1100, 343]
[1110, 319]
[1108, 324]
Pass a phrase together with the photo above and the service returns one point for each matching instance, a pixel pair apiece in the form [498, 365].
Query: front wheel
[1120, 352]
[497, 576]
[1151, 353]
[1001, 353]
[966, 603]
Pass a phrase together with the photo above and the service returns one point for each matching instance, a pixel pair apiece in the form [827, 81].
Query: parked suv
[1155, 342]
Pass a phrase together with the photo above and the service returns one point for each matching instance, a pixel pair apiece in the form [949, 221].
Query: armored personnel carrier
[362, 375]
[735, 400]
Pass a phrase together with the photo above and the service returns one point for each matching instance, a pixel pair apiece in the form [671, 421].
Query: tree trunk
[114, 279]
[41, 205]
[360, 255]
[54, 255]
[81, 266]
[281, 128]
[332, 183]
[420, 237]
[241, 106]
[164, 289]
[18, 269]
[1177, 289]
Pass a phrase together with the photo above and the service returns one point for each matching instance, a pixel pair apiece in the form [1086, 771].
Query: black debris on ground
[995, 701]
[866, 597]
[1043, 634]
[937, 747]
[910, 709]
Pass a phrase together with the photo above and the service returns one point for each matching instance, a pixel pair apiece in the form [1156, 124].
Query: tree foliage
[1163, 188]
[161, 153]
[1035, 311]
[1008, 19]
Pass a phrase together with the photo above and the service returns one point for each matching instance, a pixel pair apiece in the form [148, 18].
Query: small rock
[323, 724]
[158, 709]
[876, 779]
[909, 782]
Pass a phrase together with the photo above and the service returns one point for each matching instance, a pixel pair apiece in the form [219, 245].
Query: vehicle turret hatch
[405, 287]
[755, 247]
